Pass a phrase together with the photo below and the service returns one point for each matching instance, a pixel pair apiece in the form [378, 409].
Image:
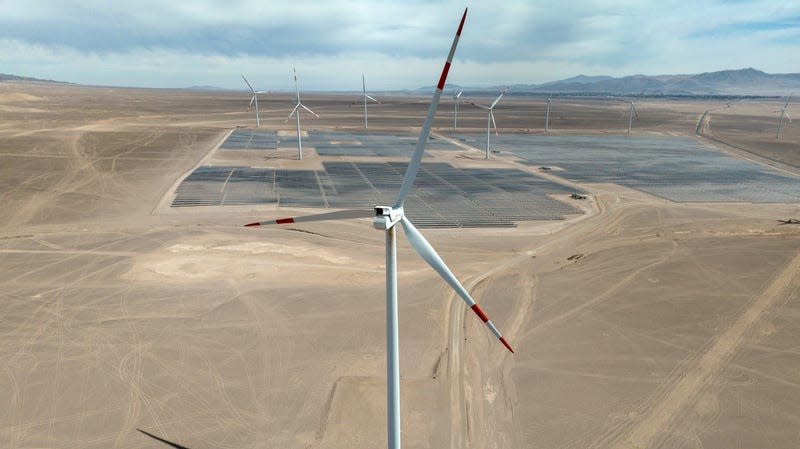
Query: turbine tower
[490, 119]
[296, 111]
[633, 112]
[254, 99]
[630, 116]
[456, 99]
[386, 218]
[783, 113]
[366, 97]
[547, 115]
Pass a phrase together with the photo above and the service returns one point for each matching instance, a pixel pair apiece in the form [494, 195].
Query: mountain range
[743, 82]
[7, 77]
[727, 83]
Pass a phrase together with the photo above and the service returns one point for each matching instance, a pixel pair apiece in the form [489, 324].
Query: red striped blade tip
[461, 25]
[443, 78]
[505, 343]
[248, 225]
[481, 314]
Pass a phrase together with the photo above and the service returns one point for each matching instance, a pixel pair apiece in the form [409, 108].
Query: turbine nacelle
[386, 217]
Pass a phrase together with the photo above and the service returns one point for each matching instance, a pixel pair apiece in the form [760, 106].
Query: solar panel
[251, 139]
[443, 195]
[676, 168]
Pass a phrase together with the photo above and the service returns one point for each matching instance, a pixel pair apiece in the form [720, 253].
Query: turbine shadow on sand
[167, 442]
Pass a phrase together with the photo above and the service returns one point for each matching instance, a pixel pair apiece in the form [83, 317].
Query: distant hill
[581, 79]
[726, 82]
[212, 88]
[7, 77]
[743, 82]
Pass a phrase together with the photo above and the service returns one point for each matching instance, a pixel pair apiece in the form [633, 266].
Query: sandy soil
[642, 323]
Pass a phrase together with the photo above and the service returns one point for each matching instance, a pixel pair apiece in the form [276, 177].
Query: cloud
[400, 44]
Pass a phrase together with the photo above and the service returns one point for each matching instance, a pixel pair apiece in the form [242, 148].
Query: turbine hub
[386, 217]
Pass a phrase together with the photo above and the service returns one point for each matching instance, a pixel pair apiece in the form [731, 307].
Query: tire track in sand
[710, 363]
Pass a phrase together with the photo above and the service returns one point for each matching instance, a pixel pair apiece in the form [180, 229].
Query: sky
[397, 45]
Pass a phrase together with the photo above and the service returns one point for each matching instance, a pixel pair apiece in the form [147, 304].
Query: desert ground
[640, 323]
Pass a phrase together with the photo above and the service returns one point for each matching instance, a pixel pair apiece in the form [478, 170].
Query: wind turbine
[547, 115]
[783, 113]
[633, 112]
[254, 99]
[366, 97]
[386, 219]
[490, 119]
[296, 111]
[456, 99]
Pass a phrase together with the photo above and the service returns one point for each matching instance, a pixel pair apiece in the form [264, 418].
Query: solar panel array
[444, 196]
[677, 168]
[342, 143]
[251, 139]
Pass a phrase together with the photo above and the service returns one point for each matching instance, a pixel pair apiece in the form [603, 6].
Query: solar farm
[444, 196]
[675, 168]
[338, 143]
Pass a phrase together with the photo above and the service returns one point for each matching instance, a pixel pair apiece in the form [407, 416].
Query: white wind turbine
[296, 111]
[254, 99]
[547, 115]
[456, 99]
[783, 113]
[386, 219]
[490, 119]
[366, 97]
[633, 112]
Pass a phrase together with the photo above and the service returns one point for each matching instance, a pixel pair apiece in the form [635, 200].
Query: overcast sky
[397, 44]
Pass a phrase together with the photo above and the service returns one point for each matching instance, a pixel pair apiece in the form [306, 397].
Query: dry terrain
[640, 323]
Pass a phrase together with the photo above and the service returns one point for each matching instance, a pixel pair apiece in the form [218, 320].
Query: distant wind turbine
[456, 99]
[783, 113]
[296, 112]
[254, 99]
[547, 115]
[366, 97]
[633, 112]
[489, 119]
[387, 219]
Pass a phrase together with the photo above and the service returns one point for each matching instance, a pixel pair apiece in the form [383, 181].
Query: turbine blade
[337, 215]
[491, 114]
[292, 113]
[252, 99]
[370, 98]
[309, 110]
[426, 251]
[413, 164]
[296, 89]
[459, 93]
[248, 84]
[363, 84]
[478, 105]
[494, 103]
